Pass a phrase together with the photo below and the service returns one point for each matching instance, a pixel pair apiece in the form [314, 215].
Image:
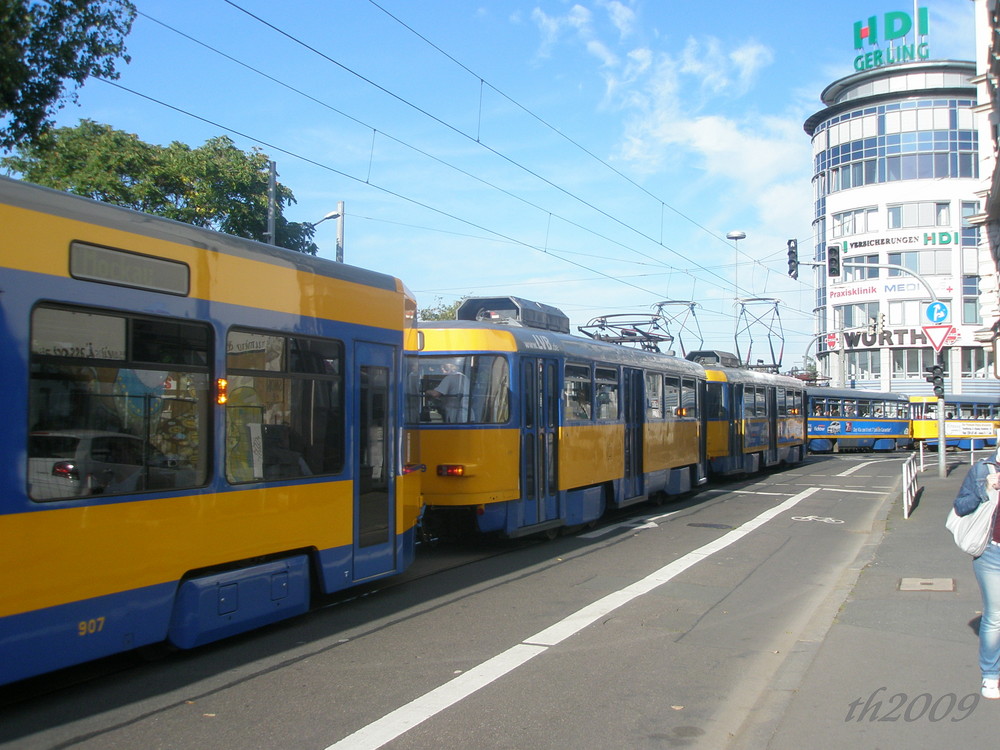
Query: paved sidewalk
[897, 668]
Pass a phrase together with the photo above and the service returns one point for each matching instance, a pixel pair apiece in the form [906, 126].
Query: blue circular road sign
[937, 312]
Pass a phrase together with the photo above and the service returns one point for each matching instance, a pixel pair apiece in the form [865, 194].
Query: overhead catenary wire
[549, 251]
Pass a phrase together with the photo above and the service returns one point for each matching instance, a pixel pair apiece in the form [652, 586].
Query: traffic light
[793, 258]
[833, 260]
[935, 376]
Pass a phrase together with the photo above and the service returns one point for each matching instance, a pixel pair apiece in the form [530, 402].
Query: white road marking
[853, 491]
[403, 719]
[638, 523]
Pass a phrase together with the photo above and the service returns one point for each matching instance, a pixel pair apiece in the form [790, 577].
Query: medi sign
[887, 29]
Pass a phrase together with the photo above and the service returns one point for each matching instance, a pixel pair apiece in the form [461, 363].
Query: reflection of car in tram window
[87, 462]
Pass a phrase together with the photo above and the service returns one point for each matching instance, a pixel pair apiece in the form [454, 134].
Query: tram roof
[486, 336]
[855, 394]
[33, 197]
[744, 375]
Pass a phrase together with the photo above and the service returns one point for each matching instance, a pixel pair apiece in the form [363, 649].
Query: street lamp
[736, 235]
[339, 216]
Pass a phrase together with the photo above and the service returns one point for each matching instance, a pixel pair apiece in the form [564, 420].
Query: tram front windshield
[469, 389]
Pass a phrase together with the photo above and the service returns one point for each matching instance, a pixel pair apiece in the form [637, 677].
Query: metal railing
[911, 467]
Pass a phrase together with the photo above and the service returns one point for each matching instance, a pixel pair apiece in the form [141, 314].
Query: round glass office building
[896, 172]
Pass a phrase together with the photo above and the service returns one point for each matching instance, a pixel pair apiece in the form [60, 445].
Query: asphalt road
[662, 628]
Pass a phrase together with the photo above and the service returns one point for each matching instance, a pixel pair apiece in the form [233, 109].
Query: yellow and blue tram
[548, 430]
[845, 419]
[752, 419]
[199, 431]
[971, 422]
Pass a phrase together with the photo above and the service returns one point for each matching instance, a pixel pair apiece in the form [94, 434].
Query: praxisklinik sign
[888, 28]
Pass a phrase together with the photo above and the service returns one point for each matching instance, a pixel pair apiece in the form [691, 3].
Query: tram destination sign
[111, 266]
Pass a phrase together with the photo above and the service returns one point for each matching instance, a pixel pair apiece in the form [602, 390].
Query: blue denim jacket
[973, 489]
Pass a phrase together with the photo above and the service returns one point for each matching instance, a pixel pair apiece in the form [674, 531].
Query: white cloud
[601, 52]
[749, 59]
[550, 27]
[621, 16]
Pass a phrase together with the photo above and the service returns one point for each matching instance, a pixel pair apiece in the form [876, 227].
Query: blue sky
[590, 155]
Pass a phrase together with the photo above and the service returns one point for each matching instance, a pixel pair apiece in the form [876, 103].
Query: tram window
[170, 342]
[465, 389]
[715, 406]
[762, 407]
[781, 402]
[794, 400]
[104, 420]
[577, 392]
[654, 395]
[671, 397]
[285, 413]
[606, 382]
[689, 398]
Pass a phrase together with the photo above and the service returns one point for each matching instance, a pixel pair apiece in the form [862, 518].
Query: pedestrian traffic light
[793, 258]
[935, 376]
[833, 260]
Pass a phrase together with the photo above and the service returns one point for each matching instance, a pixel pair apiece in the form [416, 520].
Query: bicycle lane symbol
[816, 518]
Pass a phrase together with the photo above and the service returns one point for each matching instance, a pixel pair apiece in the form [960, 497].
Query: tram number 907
[89, 627]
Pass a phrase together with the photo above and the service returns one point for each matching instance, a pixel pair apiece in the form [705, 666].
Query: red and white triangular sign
[937, 334]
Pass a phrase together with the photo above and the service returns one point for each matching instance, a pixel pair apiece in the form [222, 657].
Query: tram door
[539, 445]
[737, 416]
[375, 440]
[772, 425]
[635, 412]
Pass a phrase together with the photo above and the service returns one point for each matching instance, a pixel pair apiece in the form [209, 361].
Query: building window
[864, 271]
[930, 261]
[970, 301]
[860, 315]
[921, 214]
[864, 364]
[909, 260]
[905, 313]
[911, 140]
[911, 363]
[861, 221]
[977, 362]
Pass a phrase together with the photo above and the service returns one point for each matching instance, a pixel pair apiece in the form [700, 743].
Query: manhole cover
[711, 525]
[927, 584]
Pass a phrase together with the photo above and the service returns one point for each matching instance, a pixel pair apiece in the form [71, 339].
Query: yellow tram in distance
[971, 422]
[525, 428]
[752, 419]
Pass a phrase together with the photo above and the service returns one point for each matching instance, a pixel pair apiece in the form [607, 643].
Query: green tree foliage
[439, 310]
[44, 44]
[215, 185]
